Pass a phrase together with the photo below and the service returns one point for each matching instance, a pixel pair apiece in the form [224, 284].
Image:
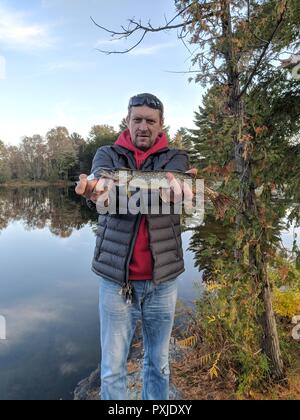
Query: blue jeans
[155, 305]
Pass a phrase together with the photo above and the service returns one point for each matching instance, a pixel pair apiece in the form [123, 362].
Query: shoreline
[32, 184]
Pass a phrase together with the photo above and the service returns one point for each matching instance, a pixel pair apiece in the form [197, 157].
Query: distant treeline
[60, 155]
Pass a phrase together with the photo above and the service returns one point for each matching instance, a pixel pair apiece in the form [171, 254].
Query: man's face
[144, 124]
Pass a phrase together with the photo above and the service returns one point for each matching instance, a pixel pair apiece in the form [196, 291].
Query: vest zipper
[127, 287]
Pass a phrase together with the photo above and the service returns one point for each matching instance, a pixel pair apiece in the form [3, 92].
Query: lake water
[49, 295]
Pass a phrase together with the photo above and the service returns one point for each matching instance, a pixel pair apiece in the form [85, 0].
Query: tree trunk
[248, 200]
[270, 340]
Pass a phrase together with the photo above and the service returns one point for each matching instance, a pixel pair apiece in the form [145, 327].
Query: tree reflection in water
[208, 243]
[58, 209]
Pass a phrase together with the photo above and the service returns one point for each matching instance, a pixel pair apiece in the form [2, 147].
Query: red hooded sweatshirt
[141, 264]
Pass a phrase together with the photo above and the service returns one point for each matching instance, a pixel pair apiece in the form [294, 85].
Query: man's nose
[143, 125]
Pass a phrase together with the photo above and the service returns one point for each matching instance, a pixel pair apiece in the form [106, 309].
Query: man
[138, 256]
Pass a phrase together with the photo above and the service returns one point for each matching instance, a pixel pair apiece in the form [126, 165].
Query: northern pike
[154, 180]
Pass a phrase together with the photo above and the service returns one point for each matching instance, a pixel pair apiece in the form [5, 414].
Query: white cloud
[2, 327]
[16, 32]
[107, 42]
[48, 3]
[151, 50]
[68, 65]
[80, 44]
[52, 3]
[27, 317]
[2, 68]
[67, 368]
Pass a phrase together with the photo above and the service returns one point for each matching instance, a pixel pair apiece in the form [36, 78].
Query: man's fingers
[101, 199]
[81, 185]
[170, 176]
[174, 184]
[104, 184]
[85, 187]
[187, 192]
[175, 187]
[100, 186]
[192, 171]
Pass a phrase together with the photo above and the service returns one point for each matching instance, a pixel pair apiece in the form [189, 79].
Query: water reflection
[49, 295]
[37, 208]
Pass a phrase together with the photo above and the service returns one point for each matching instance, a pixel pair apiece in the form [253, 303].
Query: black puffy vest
[116, 233]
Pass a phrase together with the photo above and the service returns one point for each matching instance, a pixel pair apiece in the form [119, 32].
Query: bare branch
[166, 22]
[105, 29]
[135, 26]
[182, 72]
[217, 73]
[139, 26]
[124, 51]
[184, 43]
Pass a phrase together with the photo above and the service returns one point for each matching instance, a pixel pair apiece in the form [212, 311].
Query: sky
[51, 73]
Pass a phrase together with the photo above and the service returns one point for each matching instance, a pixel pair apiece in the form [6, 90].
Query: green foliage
[58, 156]
[183, 140]
[100, 135]
[212, 138]
[287, 303]
[227, 319]
[4, 167]
[248, 149]
[123, 125]
[285, 278]
[61, 152]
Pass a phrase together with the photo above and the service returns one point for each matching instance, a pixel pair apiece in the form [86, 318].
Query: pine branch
[263, 53]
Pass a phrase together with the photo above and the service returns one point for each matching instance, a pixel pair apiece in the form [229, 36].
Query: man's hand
[177, 188]
[94, 190]
[85, 187]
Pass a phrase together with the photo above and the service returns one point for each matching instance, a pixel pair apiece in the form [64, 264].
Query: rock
[88, 389]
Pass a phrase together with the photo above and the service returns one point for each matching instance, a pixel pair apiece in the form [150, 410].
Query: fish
[155, 180]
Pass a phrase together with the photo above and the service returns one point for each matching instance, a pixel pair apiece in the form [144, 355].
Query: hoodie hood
[140, 156]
